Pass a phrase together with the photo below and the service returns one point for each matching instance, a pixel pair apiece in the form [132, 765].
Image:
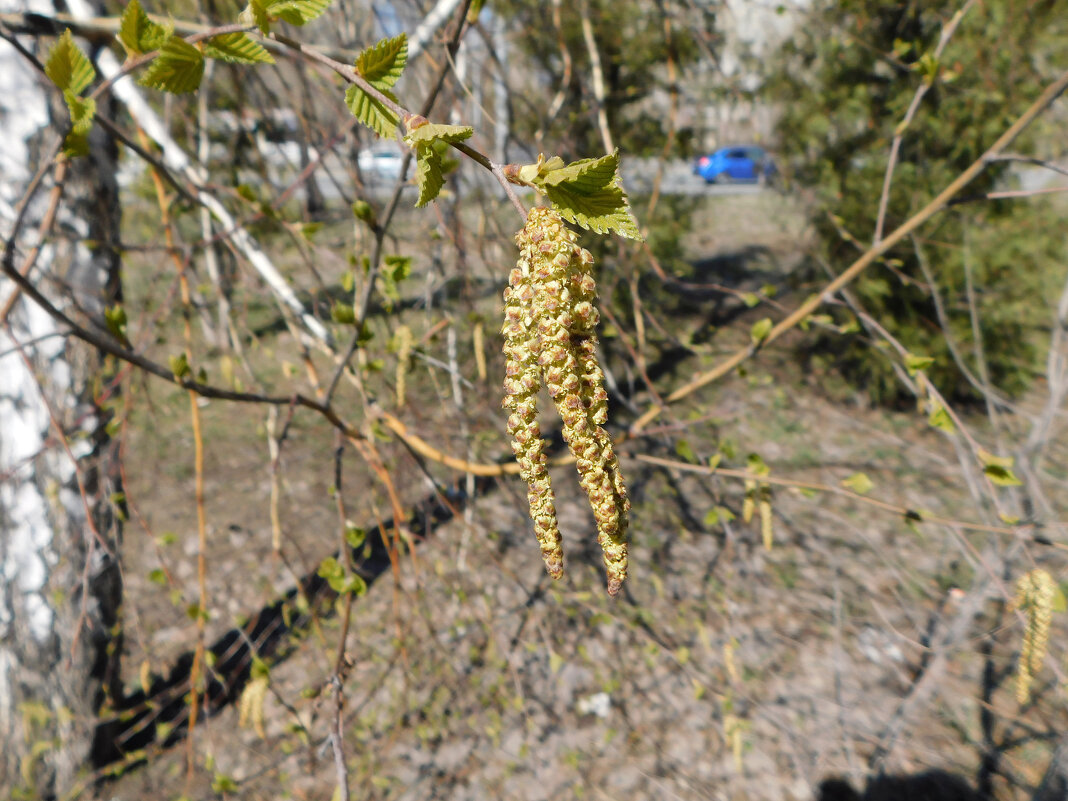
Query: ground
[723, 671]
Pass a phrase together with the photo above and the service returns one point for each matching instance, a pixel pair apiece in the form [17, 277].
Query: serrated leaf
[177, 69]
[1001, 475]
[370, 111]
[914, 363]
[298, 12]
[859, 483]
[589, 193]
[68, 67]
[428, 175]
[139, 34]
[426, 135]
[940, 419]
[760, 330]
[82, 111]
[237, 48]
[382, 64]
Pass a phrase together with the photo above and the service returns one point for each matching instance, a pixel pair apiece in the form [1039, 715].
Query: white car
[380, 164]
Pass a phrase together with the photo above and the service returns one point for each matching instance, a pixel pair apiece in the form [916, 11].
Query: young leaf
[590, 194]
[425, 135]
[138, 33]
[298, 12]
[177, 69]
[343, 313]
[82, 111]
[988, 459]
[859, 483]
[382, 63]
[1001, 476]
[914, 363]
[685, 452]
[370, 111]
[428, 175]
[939, 418]
[68, 67]
[760, 330]
[237, 48]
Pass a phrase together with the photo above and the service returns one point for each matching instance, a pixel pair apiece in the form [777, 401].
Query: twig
[899, 132]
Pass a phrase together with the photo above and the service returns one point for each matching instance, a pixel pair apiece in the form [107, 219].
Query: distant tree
[845, 83]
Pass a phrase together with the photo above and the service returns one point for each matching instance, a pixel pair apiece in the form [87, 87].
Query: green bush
[845, 84]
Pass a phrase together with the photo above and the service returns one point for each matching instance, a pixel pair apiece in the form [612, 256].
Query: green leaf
[685, 452]
[177, 69]
[370, 111]
[750, 299]
[157, 576]
[139, 34]
[718, 514]
[756, 465]
[298, 12]
[859, 483]
[115, 317]
[257, 12]
[179, 366]
[988, 459]
[364, 212]
[68, 67]
[760, 330]
[1060, 603]
[590, 194]
[914, 363]
[354, 535]
[330, 568]
[396, 268]
[939, 418]
[237, 48]
[429, 133]
[382, 63]
[1001, 476]
[82, 111]
[343, 313]
[428, 175]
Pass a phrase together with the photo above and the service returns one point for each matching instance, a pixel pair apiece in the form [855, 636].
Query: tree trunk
[60, 586]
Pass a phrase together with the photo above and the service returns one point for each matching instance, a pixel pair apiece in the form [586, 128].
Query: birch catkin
[550, 336]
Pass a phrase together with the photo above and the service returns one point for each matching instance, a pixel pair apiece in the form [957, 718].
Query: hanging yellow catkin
[1035, 592]
[521, 383]
[550, 317]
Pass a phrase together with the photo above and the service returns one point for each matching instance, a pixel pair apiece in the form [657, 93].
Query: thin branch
[899, 132]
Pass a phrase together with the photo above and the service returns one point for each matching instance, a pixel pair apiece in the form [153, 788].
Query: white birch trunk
[59, 586]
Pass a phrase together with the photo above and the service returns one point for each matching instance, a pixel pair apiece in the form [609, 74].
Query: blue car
[738, 163]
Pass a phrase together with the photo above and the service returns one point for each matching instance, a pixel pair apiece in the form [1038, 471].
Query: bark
[59, 580]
